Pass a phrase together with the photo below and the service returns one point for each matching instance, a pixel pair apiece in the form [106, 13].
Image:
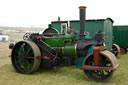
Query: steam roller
[51, 49]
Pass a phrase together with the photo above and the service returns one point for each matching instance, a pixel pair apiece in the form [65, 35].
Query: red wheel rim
[121, 51]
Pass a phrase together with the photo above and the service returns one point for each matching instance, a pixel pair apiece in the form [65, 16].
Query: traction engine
[50, 49]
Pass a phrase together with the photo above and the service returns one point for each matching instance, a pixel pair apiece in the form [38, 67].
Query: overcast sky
[39, 13]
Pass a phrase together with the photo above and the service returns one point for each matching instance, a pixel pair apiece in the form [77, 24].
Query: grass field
[63, 76]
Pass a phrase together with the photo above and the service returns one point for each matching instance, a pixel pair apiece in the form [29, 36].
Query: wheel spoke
[31, 54]
[28, 51]
[29, 65]
[19, 60]
[22, 48]
[25, 66]
[102, 74]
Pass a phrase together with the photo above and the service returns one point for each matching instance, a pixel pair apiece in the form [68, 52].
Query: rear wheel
[104, 61]
[23, 57]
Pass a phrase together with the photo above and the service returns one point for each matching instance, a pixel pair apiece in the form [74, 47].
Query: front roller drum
[107, 64]
[23, 57]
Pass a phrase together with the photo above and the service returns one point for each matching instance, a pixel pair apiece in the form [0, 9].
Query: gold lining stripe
[76, 50]
[54, 37]
[62, 50]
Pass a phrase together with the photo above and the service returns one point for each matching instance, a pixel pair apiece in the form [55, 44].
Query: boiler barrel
[69, 51]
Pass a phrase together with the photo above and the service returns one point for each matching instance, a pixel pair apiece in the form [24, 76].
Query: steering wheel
[26, 36]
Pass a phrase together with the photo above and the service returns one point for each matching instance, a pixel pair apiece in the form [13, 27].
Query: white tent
[3, 38]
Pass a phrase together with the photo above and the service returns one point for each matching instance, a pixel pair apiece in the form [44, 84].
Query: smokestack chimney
[82, 21]
[58, 18]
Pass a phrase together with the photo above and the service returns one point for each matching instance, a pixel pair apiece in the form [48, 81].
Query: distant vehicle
[120, 33]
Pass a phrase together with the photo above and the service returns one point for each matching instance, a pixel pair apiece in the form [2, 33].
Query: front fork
[96, 51]
[96, 54]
